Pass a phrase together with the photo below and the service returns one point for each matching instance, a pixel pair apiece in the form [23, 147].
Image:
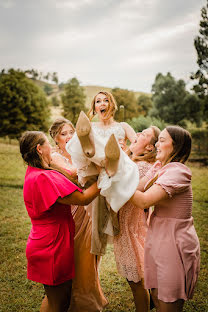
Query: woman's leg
[58, 297]
[176, 306]
[44, 306]
[162, 306]
[141, 296]
[154, 294]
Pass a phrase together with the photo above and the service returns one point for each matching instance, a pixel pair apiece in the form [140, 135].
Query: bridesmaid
[172, 250]
[129, 243]
[87, 294]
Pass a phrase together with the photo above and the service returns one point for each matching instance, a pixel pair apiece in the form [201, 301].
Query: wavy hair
[111, 109]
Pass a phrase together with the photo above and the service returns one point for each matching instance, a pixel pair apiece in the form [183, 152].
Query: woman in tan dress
[87, 294]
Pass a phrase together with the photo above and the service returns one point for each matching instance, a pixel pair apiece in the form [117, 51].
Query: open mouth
[103, 110]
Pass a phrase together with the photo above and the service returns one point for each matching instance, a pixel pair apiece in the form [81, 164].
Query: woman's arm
[130, 133]
[77, 198]
[152, 196]
[142, 182]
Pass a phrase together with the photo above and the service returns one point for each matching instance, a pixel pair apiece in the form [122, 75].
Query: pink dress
[50, 245]
[172, 250]
[129, 244]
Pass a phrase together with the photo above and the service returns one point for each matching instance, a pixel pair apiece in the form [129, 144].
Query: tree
[55, 101]
[201, 75]
[47, 89]
[55, 77]
[73, 99]
[23, 105]
[171, 102]
[144, 103]
[126, 101]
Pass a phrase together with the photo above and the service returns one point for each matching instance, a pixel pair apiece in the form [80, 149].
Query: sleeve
[174, 179]
[48, 187]
[153, 170]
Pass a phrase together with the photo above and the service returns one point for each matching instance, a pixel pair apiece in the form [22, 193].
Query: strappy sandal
[84, 133]
[112, 155]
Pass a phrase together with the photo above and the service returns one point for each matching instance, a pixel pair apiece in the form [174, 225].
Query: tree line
[25, 106]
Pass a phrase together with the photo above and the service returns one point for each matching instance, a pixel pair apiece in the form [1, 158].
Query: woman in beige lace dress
[129, 244]
[87, 294]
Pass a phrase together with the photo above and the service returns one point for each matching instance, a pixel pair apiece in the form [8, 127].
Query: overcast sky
[112, 43]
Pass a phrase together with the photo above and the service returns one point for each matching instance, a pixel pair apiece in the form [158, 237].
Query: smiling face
[143, 142]
[164, 147]
[64, 135]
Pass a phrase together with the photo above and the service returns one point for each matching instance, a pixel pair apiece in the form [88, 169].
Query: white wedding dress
[117, 189]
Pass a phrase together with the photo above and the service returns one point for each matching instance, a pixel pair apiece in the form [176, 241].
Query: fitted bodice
[115, 129]
[175, 179]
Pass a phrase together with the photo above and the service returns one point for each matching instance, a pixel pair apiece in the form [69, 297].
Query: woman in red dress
[48, 195]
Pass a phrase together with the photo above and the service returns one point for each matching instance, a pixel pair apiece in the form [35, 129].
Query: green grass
[21, 295]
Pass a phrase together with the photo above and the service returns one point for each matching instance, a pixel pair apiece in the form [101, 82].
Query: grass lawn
[21, 295]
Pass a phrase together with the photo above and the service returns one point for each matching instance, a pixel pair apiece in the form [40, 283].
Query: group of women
[93, 189]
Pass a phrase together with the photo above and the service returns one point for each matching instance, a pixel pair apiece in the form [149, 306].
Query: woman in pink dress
[48, 195]
[172, 250]
[87, 294]
[129, 243]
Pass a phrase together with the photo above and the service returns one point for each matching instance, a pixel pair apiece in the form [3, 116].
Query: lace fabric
[129, 244]
[115, 129]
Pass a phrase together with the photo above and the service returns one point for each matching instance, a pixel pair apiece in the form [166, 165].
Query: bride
[97, 143]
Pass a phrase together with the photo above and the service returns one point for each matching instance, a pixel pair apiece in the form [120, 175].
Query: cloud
[111, 43]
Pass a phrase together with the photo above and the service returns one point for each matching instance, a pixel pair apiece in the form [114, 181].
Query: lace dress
[129, 244]
[118, 189]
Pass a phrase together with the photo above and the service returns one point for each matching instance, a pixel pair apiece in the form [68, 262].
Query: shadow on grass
[16, 186]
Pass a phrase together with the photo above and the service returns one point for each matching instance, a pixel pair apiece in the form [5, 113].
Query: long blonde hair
[57, 126]
[111, 109]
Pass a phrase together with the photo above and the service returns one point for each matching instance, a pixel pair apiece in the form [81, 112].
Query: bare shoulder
[130, 133]
[125, 124]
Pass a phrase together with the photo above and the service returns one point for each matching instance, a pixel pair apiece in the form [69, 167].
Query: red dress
[50, 245]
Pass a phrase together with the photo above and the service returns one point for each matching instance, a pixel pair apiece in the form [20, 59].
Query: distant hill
[90, 92]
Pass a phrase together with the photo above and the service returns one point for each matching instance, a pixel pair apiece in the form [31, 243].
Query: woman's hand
[123, 145]
[99, 168]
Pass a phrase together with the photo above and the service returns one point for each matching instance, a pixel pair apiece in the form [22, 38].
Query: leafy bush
[141, 122]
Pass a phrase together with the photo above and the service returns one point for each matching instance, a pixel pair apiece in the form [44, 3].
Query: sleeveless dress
[129, 243]
[172, 250]
[50, 245]
[87, 294]
[117, 189]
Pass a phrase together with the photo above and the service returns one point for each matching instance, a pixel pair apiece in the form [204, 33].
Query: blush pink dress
[129, 243]
[50, 245]
[172, 250]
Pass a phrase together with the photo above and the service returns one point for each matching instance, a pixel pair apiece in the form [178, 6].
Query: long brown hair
[111, 109]
[182, 142]
[150, 156]
[28, 149]
[181, 148]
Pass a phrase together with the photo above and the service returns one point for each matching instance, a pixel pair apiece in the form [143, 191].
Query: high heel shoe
[84, 133]
[112, 155]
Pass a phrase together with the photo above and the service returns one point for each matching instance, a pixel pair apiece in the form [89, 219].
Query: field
[21, 295]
